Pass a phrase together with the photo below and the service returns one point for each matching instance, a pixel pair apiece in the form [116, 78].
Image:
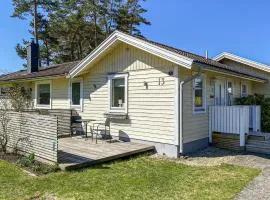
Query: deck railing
[229, 119]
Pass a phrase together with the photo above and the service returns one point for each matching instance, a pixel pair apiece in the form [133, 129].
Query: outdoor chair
[75, 125]
[103, 129]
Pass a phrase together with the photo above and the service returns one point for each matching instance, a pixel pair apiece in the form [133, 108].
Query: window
[229, 93]
[244, 90]
[198, 95]
[118, 93]
[43, 94]
[229, 88]
[76, 93]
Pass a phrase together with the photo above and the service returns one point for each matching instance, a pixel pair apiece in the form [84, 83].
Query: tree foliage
[262, 101]
[68, 30]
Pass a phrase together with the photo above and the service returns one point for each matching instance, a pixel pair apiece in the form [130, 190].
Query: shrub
[27, 160]
[262, 101]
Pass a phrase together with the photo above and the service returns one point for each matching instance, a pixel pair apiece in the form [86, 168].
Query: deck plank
[77, 152]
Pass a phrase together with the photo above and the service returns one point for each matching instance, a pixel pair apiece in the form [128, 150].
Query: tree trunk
[35, 21]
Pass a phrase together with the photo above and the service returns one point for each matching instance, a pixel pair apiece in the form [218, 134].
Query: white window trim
[203, 108]
[77, 80]
[117, 110]
[36, 97]
[244, 83]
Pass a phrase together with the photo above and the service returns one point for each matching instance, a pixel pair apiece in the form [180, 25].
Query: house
[152, 93]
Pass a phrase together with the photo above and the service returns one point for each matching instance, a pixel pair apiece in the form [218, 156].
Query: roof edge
[251, 63]
[133, 41]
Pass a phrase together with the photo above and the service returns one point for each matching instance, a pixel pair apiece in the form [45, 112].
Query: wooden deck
[77, 152]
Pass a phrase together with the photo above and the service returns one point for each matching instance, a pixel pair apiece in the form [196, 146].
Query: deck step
[259, 136]
[256, 149]
[258, 142]
[258, 146]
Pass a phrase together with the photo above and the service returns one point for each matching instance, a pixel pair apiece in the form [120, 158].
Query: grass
[137, 178]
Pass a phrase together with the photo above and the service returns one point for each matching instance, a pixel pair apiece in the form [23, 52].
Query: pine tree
[69, 30]
[129, 17]
[36, 12]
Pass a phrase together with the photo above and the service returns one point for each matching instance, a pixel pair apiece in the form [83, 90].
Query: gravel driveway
[259, 188]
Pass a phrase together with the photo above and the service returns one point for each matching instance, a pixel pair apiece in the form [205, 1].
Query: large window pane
[198, 98]
[44, 94]
[198, 94]
[76, 93]
[118, 92]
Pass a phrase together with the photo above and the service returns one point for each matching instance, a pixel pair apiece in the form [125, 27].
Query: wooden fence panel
[34, 133]
[64, 120]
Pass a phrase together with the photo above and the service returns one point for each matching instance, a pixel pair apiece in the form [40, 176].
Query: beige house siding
[195, 125]
[259, 88]
[150, 111]
[60, 94]
[247, 68]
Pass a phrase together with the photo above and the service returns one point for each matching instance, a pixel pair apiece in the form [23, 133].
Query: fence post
[210, 124]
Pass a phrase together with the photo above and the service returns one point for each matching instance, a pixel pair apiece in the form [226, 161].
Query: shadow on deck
[78, 152]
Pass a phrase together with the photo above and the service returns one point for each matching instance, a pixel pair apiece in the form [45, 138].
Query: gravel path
[259, 188]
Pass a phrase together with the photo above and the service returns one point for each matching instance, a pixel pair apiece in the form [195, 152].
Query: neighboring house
[151, 92]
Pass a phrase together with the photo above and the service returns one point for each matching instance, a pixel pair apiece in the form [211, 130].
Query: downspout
[182, 83]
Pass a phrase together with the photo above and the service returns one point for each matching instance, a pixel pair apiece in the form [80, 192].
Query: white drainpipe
[182, 83]
[181, 118]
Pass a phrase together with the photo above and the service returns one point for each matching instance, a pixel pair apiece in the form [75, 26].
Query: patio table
[85, 121]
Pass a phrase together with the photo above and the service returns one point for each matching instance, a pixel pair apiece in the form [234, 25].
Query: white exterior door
[220, 92]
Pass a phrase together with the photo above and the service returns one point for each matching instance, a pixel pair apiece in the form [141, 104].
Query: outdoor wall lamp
[145, 85]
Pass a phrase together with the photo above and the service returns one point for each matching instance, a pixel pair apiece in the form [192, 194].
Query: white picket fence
[229, 119]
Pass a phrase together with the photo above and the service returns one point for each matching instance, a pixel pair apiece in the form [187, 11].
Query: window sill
[76, 106]
[39, 106]
[116, 115]
[201, 111]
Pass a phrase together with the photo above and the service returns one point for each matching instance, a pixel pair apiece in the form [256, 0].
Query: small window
[118, 92]
[198, 95]
[76, 93]
[229, 93]
[44, 94]
[229, 88]
[244, 92]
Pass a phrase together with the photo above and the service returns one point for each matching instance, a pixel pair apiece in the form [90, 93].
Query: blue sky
[236, 26]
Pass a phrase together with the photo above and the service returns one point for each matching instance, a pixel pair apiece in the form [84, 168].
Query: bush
[36, 167]
[262, 101]
[27, 160]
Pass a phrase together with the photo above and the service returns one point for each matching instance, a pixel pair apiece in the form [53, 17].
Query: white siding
[150, 111]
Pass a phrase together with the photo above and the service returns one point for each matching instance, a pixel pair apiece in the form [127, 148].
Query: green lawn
[137, 178]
